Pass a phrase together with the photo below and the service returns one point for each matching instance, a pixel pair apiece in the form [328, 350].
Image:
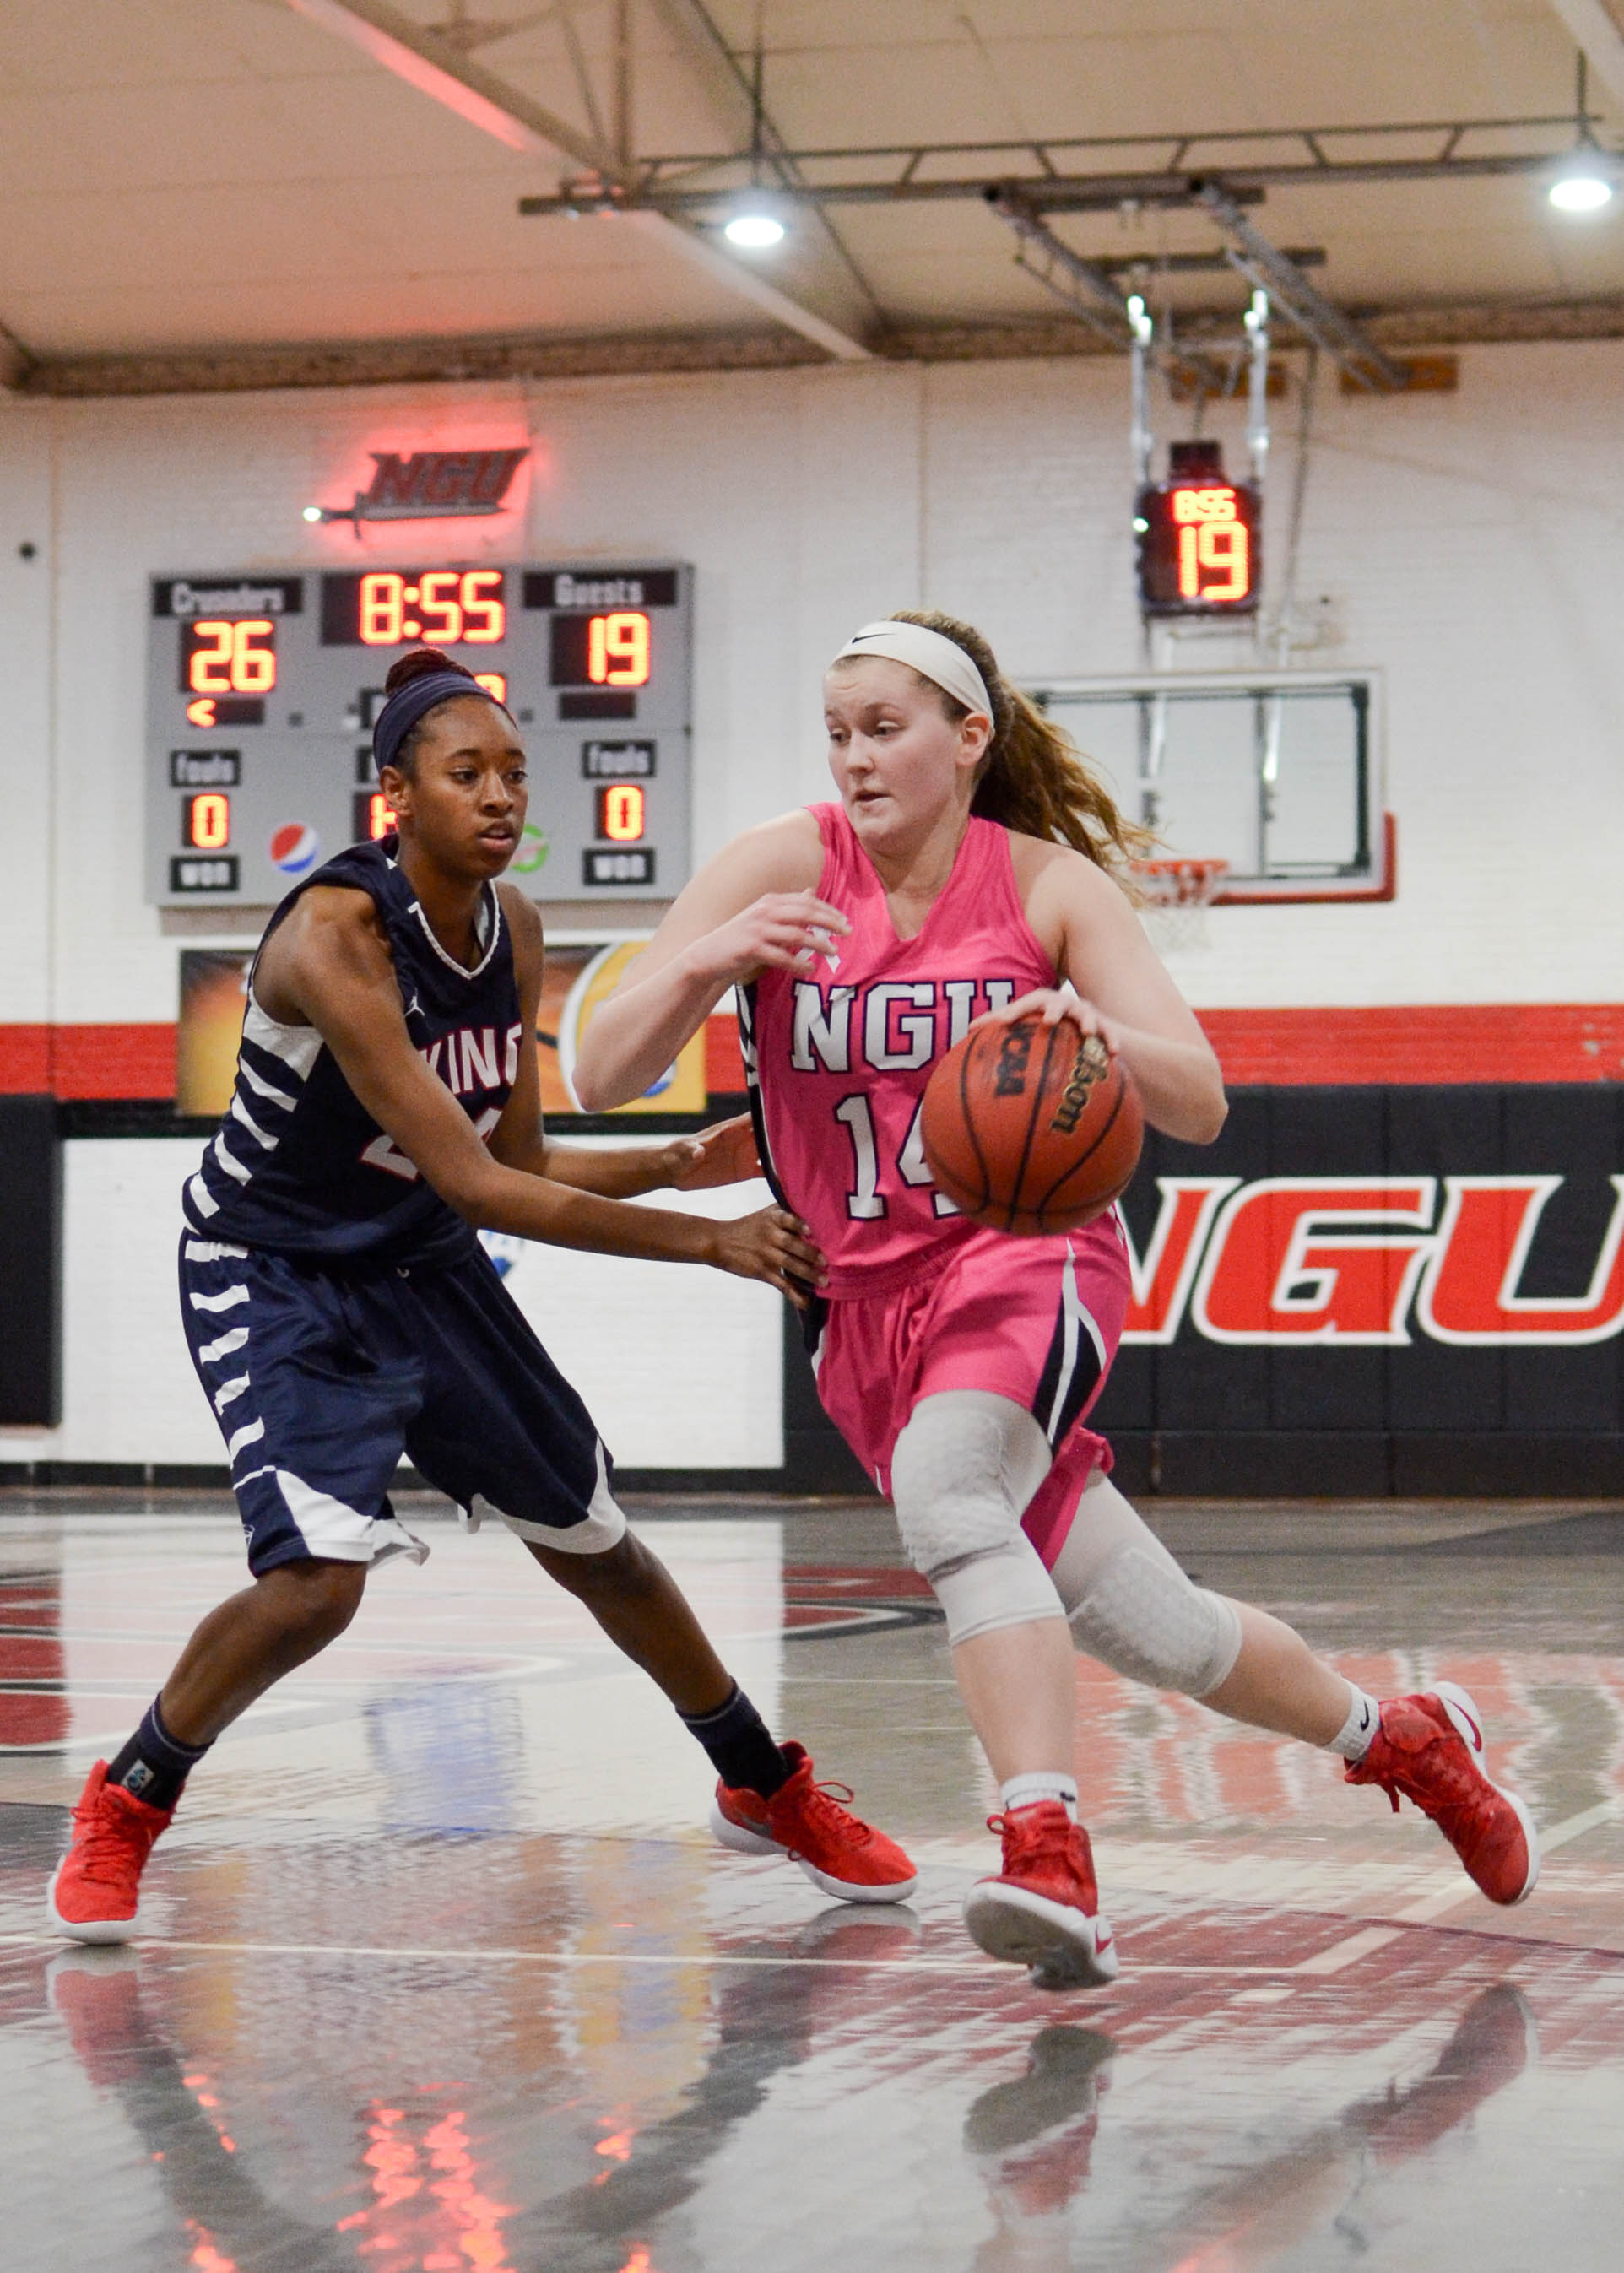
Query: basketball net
[1174, 895]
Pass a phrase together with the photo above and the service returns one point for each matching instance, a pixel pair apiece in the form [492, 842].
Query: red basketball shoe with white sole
[807, 1822]
[1043, 1911]
[94, 1894]
[1431, 1749]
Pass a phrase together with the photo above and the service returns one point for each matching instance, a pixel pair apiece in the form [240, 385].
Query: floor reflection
[443, 1976]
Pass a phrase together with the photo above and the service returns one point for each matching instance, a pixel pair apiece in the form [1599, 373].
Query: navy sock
[153, 1765]
[741, 1750]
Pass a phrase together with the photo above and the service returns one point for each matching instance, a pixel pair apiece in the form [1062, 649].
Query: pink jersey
[838, 1060]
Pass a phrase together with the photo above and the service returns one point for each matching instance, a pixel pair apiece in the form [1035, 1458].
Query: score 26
[219, 656]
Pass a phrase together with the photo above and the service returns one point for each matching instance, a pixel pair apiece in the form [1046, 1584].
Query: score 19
[1214, 548]
[218, 656]
[609, 650]
[1197, 548]
[617, 649]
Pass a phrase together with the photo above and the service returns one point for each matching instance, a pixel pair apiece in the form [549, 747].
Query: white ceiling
[199, 175]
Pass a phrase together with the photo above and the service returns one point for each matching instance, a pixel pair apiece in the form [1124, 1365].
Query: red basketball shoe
[1430, 1748]
[1043, 1911]
[805, 1821]
[93, 1893]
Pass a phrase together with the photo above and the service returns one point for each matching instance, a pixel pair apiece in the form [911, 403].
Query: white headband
[941, 660]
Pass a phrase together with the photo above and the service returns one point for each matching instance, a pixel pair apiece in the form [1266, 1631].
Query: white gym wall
[1469, 545]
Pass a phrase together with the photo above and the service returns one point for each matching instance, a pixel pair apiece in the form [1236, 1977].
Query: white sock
[1043, 1783]
[1353, 1740]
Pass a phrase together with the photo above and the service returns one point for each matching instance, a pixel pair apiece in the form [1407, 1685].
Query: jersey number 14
[865, 1203]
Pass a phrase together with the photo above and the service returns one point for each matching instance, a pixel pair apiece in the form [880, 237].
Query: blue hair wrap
[414, 700]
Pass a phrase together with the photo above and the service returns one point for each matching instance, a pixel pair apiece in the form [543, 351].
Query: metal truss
[1275, 273]
[1096, 298]
[1152, 169]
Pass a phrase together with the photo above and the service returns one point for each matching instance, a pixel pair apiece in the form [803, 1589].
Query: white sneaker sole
[1458, 1703]
[98, 1931]
[744, 1842]
[1065, 1948]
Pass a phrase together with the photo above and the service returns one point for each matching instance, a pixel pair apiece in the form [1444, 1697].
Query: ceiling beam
[449, 76]
[16, 363]
[434, 67]
[1146, 168]
[1354, 351]
[1093, 296]
[494, 359]
[704, 44]
[1084, 192]
[1599, 37]
[795, 314]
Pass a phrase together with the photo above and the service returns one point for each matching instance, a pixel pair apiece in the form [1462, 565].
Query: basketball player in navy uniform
[341, 1310]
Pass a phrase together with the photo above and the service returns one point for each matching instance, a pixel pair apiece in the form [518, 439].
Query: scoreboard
[1198, 539]
[263, 686]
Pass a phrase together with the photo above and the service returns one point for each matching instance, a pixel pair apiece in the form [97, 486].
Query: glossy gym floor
[441, 1972]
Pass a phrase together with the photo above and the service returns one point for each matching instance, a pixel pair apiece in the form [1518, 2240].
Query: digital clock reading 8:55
[395, 607]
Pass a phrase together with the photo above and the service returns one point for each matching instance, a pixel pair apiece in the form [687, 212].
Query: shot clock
[1198, 551]
[262, 688]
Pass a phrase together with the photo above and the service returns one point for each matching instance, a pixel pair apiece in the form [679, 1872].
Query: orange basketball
[1032, 1129]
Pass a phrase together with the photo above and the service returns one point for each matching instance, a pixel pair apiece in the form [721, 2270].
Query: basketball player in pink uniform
[971, 869]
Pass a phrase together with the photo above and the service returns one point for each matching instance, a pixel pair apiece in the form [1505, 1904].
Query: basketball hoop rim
[1179, 880]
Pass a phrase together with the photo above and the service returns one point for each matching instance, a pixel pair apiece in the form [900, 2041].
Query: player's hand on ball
[773, 1245]
[782, 930]
[1051, 1004]
[722, 1154]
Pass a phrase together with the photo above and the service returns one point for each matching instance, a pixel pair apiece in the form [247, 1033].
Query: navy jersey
[300, 1167]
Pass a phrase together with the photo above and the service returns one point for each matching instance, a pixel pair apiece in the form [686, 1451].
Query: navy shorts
[321, 1378]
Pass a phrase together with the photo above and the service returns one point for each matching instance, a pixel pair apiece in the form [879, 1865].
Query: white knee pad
[1132, 1607]
[961, 1474]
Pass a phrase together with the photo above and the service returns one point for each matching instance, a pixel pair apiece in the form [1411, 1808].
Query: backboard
[1278, 773]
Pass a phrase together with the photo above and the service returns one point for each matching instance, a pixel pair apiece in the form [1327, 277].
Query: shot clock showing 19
[262, 688]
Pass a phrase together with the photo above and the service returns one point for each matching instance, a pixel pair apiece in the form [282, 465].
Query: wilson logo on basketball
[1358, 1262]
[1014, 1055]
[1089, 1066]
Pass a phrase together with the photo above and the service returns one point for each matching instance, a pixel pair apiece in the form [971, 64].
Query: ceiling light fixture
[753, 225]
[1587, 179]
[1584, 185]
[754, 229]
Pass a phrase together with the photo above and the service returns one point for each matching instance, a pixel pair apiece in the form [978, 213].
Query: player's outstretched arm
[755, 906]
[333, 969]
[722, 1154]
[1117, 985]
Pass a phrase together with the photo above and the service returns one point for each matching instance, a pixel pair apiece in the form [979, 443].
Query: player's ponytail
[1034, 779]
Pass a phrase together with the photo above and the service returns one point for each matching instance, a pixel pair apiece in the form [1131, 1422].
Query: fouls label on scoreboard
[205, 768]
[616, 760]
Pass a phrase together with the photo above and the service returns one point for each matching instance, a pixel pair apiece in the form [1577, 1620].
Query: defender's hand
[1051, 1004]
[782, 930]
[773, 1245]
[722, 1154]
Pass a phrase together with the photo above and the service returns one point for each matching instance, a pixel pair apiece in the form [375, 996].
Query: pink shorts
[1035, 1320]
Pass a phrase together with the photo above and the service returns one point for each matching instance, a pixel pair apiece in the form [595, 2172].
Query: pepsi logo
[504, 1250]
[294, 848]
